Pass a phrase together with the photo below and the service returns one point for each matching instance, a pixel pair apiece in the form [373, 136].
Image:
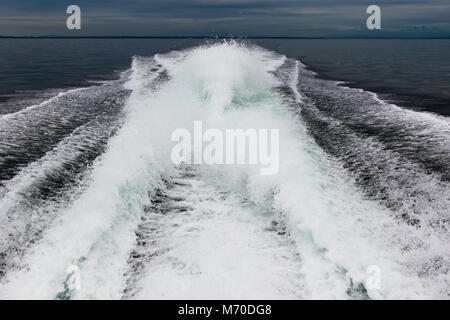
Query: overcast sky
[223, 17]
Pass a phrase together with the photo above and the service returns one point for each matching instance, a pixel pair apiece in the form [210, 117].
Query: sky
[283, 18]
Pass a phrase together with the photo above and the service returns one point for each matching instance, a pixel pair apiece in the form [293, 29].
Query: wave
[142, 227]
[46, 151]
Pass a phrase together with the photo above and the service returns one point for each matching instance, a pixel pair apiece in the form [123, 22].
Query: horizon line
[223, 37]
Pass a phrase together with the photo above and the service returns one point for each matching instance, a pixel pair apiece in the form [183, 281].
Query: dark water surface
[410, 72]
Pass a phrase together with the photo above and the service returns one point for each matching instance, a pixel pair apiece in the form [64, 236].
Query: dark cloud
[222, 17]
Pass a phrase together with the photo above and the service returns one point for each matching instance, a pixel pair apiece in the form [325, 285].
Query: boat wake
[87, 182]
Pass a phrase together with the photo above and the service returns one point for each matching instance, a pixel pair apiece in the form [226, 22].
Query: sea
[92, 207]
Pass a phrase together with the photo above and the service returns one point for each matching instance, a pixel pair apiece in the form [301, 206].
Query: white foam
[13, 115]
[218, 250]
[338, 234]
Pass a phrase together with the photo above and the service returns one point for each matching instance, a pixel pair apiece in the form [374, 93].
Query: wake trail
[140, 226]
[197, 241]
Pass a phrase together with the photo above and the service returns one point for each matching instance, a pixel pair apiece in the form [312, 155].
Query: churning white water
[141, 227]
